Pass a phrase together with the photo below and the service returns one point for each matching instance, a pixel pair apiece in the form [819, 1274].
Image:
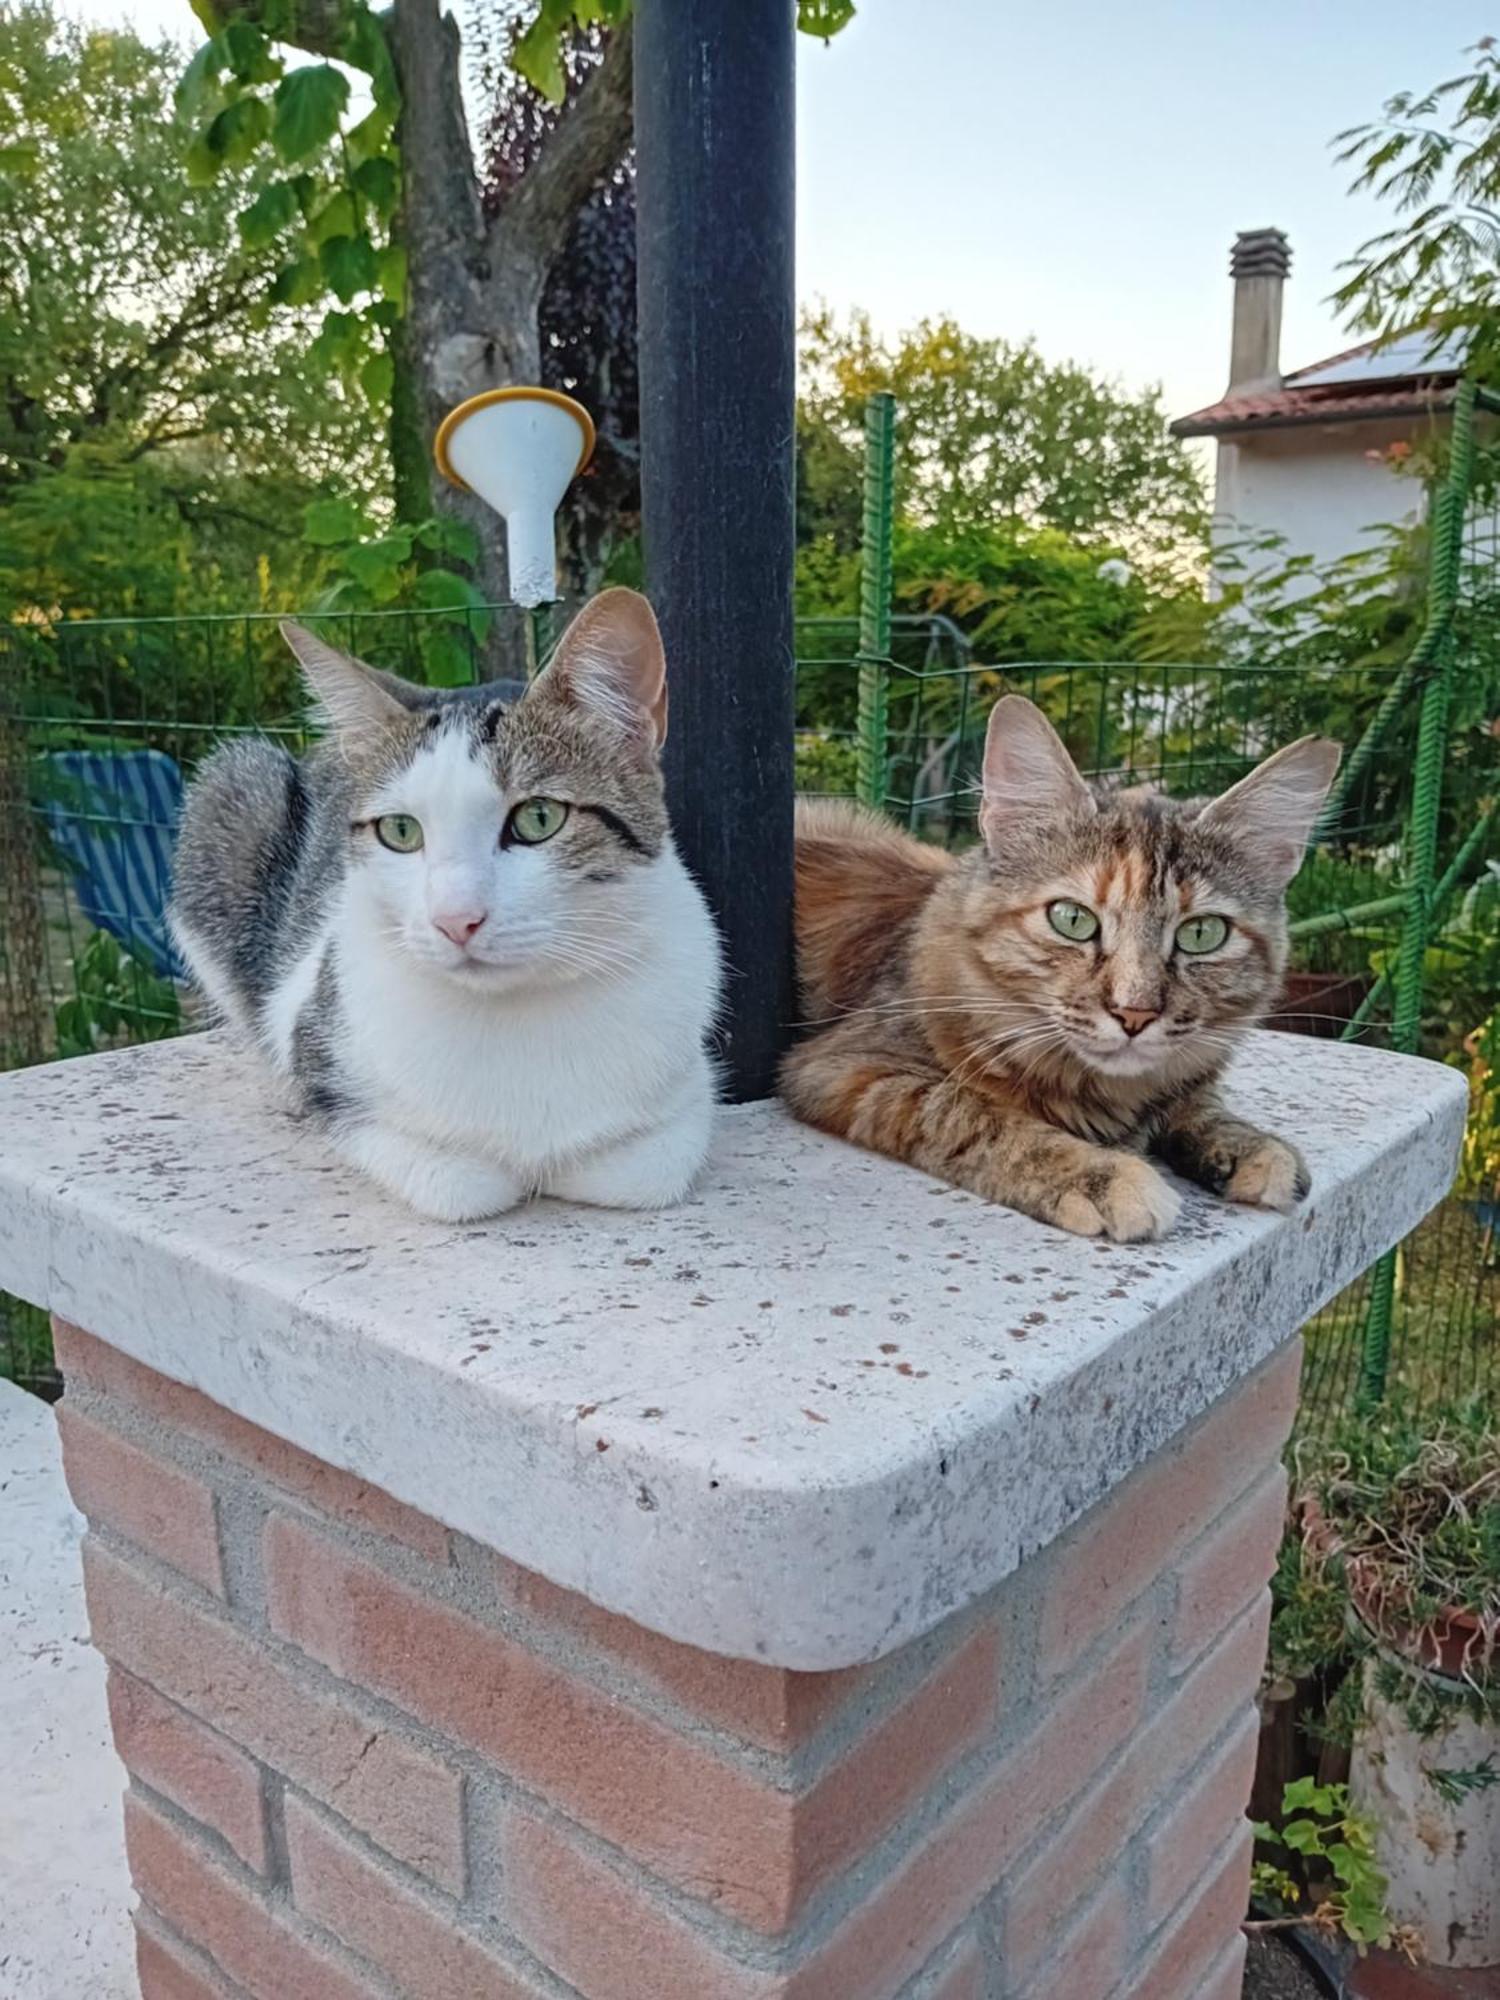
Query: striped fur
[949, 1024]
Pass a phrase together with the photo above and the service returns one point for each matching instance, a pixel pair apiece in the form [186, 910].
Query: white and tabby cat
[460, 930]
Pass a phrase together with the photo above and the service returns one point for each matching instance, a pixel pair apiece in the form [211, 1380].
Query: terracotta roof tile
[1274, 409]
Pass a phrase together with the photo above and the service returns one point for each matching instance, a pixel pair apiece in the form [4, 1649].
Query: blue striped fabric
[113, 819]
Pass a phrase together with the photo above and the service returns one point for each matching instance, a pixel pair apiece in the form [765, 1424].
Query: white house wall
[1315, 487]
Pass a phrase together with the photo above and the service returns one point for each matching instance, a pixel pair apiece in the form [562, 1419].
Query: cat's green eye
[1201, 934]
[536, 820]
[1072, 921]
[399, 832]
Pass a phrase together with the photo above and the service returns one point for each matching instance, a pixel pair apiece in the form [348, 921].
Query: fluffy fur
[481, 1019]
[952, 1026]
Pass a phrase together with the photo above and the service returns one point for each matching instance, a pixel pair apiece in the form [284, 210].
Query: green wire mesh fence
[1396, 914]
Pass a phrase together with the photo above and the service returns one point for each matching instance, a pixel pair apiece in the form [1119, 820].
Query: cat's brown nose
[1133, 1019]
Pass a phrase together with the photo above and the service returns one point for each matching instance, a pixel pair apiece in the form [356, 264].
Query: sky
[1077, 169]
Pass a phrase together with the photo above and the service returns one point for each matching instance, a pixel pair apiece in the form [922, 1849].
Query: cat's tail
[861, 882]
[242, 834]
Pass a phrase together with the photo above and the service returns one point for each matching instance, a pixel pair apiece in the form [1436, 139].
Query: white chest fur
[535, 1079]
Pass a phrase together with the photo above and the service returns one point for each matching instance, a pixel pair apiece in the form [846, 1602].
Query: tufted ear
[351, 698]
[1028, 774]
[1271, 814]
[610, 662]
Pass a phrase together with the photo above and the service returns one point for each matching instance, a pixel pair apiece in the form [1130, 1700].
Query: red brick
[165, 1971]
[719, 1832]
[1092, 1837]
[1204, 1699]
[886, 1939]
[1225, 1978]
[246, 1937]
[963, 1979]
[600, 1934]
[857, 1802]
[1125, 1543]
[1200, 1820]
[164, 1510]
[1237, 1559]
[1085, 1964]
[408, 1801]
[423, 1948]
[765, 1705]
[1198, 1931]
[189, 1764]
[95, 1364]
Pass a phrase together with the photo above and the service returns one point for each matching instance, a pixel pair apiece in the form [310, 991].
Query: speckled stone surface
[799, 1419]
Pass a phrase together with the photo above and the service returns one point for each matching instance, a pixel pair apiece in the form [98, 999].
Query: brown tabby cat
[1028, 1019]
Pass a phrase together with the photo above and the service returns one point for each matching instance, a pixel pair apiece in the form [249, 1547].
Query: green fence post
[875, 597]
[1422, 835]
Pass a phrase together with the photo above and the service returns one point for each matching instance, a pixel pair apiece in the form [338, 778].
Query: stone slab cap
[799, 1419]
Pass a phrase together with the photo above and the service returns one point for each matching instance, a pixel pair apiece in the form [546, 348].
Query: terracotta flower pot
[1452, 1644]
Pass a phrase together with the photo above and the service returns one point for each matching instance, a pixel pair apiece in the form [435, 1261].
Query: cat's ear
[1271, 814]
[353, 699]
[610, 662]
[1028, 774]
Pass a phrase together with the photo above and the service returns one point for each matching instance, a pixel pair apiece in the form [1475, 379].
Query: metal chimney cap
[1260, 253]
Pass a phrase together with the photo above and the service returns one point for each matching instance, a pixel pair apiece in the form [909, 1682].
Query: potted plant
[1402, 1514]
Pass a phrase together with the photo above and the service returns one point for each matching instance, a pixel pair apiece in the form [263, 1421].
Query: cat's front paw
[448, 1187]
[1268, 1173]
[1123, 1198]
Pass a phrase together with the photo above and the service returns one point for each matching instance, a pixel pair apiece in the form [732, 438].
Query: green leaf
[326, 523]
[377, 182]
[366, 47]
[377, 378]
[370, 136]
[335, 218]
[202, 161]
[270, 212]
[446, 590]
[1307, 1795]
[309, 104]
[248, 53]
[298, 284]
[349, 266]
[394, 546]
[1303, 1836]
[447, 537]
[1365, 1918]
[390, 274]
[446, 659]
[338, 344]
[20, 158]
[239, 129]
[376, 567]
[537, 54]
[197, 87]
[824, 18]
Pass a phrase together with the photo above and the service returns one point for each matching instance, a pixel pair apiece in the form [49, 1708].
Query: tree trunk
[474, 287]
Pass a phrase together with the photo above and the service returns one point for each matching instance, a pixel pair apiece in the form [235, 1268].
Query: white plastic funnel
[519, 449]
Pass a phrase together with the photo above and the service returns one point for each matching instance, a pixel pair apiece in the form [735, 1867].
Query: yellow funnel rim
[457, 415]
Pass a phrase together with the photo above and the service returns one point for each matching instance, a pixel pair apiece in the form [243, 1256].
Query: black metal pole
[714, 137]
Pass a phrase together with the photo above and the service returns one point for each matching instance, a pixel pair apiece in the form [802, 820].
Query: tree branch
[588, 141]
[318, 26]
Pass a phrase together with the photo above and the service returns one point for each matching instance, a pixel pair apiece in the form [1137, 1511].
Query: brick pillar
[372, 1758]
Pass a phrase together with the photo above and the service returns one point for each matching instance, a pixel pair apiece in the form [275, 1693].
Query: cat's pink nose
[1133, 1019]
[458, 926]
